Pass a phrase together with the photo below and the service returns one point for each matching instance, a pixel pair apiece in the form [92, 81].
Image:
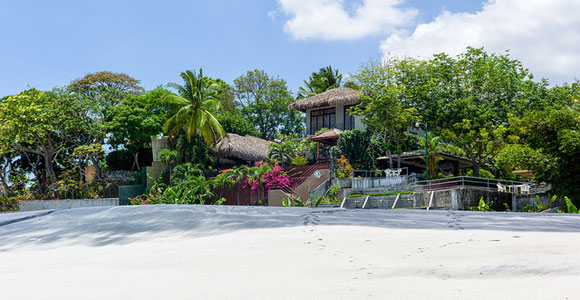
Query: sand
[310, 260]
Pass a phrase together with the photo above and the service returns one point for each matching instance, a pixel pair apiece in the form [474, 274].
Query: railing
[375, 173]
[362, 179]
[342, 126]
[489, 184]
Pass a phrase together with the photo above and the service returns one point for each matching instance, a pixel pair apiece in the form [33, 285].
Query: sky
[46, 44]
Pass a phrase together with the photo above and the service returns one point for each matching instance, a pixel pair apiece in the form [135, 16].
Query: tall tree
[264, 101]
[108, 87]
[320, 81]
[135, 119]
[40, 124]
[194, 107]
[385, 105]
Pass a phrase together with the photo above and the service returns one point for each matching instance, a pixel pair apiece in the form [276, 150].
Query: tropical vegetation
[486, 107]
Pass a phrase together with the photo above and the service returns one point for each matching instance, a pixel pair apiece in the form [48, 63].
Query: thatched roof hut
[329, 136]
[242, 148]
[332, 97]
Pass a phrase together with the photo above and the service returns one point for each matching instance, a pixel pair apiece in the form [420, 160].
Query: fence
[489, 184]
[364, 179]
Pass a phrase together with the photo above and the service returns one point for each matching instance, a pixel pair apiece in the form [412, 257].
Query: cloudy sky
[45, 44]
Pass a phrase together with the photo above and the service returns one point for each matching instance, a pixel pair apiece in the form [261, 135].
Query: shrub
[344, 169]
[8, 203]
[299, 161]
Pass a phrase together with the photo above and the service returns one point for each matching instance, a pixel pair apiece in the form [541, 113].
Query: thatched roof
[330, 134]
[332, 97]
[246, 148]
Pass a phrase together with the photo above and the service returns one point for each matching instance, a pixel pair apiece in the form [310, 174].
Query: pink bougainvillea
[272, 178]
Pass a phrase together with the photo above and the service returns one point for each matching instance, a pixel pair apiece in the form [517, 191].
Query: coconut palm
[323, 80]
[194, 104]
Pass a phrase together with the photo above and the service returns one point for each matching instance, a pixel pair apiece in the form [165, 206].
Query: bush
[299, 161]
[344, 169]
[8, 203]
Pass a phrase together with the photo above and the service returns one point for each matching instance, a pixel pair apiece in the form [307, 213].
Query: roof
[332, 97]
[247, 148]
[330, 134]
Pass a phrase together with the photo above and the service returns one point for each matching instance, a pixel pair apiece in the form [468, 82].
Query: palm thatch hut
[330, 109]
[337, 96]
[235, 149]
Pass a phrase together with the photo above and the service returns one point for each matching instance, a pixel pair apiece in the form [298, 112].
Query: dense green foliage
[485, 107]
[320, 81]
[264, 100]
[193, 109]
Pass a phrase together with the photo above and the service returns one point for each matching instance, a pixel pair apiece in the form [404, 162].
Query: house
[329, 110]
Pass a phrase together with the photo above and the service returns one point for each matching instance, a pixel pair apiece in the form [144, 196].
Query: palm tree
[282, 153]
[224, 180]
[325, 79]
[194, 104]
[432, 160]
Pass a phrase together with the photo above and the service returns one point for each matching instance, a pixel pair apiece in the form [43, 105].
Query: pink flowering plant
[267, 177]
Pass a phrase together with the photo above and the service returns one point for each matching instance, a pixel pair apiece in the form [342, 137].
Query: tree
[385, 105]
[282, 153]
[108, 87]
[264, 102]
[431, 158]
[553, 138]
[41, 124]
[236, 123]
[194, 108]
[466, 100]
[135, 119]
[224, 180]
[319, 82]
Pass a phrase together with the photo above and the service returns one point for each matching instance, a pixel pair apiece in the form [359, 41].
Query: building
[329, 110]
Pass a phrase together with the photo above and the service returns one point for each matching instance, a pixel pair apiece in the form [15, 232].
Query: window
[348, 118]
[322, 118]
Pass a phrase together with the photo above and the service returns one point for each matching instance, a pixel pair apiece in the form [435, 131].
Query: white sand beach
[78, 254]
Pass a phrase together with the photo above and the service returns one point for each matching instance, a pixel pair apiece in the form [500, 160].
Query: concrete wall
[311, 183]
[32, 205]
[156, 169]
[275, 197]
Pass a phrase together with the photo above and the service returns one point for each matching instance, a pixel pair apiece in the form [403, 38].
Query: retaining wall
[32, 205]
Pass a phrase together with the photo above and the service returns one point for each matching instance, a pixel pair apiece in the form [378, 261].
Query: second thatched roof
[332, 97]
[246, 148]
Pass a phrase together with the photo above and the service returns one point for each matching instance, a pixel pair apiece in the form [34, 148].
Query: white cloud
[543, 34]
[329, 20]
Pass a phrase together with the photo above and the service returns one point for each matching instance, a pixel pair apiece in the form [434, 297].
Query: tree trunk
[476, 167]
[136, 162]
[97, 166]
[7, 188]
[50, 174]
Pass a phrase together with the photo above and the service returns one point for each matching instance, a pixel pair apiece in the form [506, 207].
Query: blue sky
[45, 44]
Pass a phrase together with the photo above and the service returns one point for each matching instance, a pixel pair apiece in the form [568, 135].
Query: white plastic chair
[525, 189]
[501, 188]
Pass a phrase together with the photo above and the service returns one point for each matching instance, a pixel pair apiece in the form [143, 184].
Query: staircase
[381, 202]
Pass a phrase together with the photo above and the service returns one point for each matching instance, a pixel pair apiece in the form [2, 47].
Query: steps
[381, 202]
